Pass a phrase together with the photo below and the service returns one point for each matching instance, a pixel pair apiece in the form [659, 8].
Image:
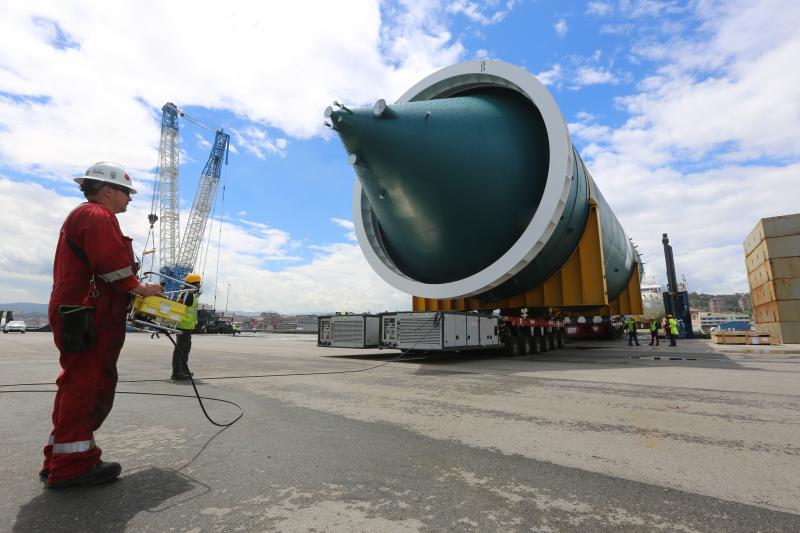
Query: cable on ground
[200, 399]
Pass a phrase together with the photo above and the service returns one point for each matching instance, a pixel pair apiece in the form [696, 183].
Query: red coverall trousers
[88, 379]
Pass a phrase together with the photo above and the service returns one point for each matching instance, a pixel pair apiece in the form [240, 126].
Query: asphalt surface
[595, 437]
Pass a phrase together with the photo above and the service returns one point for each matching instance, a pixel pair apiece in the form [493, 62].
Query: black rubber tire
[527, 345]
[535, 345]
[551, 341]
[513, 346]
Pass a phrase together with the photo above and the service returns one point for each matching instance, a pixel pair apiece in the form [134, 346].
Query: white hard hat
[108, 173]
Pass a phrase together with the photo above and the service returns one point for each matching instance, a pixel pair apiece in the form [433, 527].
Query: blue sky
[686, 114]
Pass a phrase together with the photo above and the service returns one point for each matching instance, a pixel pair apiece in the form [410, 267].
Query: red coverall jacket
[88, 379]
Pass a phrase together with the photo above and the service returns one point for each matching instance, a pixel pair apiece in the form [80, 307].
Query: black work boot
[100, 473]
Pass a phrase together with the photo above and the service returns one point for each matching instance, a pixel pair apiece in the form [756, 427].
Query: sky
[687, 115]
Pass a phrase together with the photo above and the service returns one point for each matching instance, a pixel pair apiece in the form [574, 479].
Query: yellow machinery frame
[578, 288]
[158, 312]
[163, 309]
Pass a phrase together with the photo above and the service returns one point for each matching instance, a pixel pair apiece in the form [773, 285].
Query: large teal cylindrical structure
[469, 186]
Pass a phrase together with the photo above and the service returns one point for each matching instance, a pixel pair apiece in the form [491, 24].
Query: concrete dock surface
[598, 436]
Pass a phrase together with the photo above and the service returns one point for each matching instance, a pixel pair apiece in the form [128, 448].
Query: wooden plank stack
[772, 258]
[740, 337]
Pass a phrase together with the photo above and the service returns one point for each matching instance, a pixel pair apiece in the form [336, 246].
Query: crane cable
[152, 218]
[219, 245]
[196, 123]
[210, 233]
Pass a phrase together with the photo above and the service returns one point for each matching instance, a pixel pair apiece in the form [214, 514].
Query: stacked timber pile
[740, 337]
[772, 257]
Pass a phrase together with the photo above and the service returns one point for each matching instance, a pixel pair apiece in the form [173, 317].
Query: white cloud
[346, 224]
[31, 216]
[581, 71]
[617, 29]
[552, 76]
[70, 95]
[600, 9]
[586, 130]
[476, 12]
[257, 142]
[338, 277]
[710, 143]
[593, 76]
[561, 27]
[708, 147]
[202, 142]
[749, 102]
[650, 8]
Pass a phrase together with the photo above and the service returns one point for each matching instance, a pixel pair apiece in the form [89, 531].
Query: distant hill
[700, 301]
[25, 307]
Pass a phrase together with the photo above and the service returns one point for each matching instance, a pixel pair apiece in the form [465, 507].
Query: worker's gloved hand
[149, 289]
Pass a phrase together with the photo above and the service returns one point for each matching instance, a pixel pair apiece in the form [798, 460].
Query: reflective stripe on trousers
[73, 447]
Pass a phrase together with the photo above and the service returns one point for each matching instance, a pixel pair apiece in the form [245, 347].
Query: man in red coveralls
[93, 273]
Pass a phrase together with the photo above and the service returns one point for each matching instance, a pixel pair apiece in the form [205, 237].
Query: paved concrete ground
[769, 349]
[596, 437]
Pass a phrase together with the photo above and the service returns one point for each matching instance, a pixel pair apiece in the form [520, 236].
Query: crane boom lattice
[201, 207]
[168, 164]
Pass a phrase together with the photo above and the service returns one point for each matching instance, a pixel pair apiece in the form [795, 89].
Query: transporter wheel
[527, 345]
[513, 346]
[551, 340]
[536, 346]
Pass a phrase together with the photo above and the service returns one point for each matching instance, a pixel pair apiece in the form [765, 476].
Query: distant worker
[672, 330]
[94, 271]
[630, 327]
[653, 331]
[183, 344]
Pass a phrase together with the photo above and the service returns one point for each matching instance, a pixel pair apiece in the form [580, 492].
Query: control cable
[200, 398]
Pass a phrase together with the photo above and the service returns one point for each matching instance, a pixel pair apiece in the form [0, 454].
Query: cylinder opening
[465, 186]
[505, 239]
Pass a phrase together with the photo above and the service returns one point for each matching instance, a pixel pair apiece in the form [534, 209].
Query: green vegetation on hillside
[730, 302]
